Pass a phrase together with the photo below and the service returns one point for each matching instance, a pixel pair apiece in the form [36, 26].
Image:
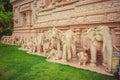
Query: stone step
[117, 29]
[118, 37]
[117, 33]
[118, 45]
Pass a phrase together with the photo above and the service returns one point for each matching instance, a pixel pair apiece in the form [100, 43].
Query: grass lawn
[18, 65]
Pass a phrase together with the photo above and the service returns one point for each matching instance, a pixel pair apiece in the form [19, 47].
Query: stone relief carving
[68, 42]
[83, 58]
[107, 46]
[16, 13]
[36, 9]
[98, 40]
[45, 5]
[58, 45]
[53, 37]
[40, 39]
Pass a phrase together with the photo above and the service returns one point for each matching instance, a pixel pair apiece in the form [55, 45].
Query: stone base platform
[98, 69]
[74, 63]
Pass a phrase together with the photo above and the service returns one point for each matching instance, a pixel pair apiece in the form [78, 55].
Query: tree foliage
[6, 17]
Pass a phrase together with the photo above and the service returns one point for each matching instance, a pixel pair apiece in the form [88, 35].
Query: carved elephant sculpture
[53, 40]
[40, 39]
[98, 39]
[68, 42]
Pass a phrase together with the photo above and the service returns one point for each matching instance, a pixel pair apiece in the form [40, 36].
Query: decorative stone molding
[64, 3]
[11, 1]
[26, 7]
[34, 16]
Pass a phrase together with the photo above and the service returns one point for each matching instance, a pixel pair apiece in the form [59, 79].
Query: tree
[2, 6]
[6, 17]
[7, 5]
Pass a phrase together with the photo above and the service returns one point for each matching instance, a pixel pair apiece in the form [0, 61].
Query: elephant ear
[62, 38]
[78, 54]
[75, 38]
[99, 37]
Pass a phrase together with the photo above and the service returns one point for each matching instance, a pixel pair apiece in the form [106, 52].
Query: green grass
[18, 65]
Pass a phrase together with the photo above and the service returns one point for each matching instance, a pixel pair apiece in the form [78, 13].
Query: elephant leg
[69, 52]
[34, 48]
[29, 50]
[104, 54]
[79, 63]
[109, 54]
[50, 54]
[38, 50]
[58, 47]
[93, 55]
[73, 50]
[64, 53]
[84, 63]
[44, 49]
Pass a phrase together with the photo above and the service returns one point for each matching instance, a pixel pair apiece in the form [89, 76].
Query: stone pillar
[34, 12]
[28, 15]
[16, 16]
[24, 19]
[19, 15]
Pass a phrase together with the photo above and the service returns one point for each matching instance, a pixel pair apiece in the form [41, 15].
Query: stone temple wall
[33, 16]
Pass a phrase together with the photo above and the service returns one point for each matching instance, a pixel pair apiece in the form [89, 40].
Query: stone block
[95, 18]
[80, 19]
[107, 4]
[116, 3]
[112, 17]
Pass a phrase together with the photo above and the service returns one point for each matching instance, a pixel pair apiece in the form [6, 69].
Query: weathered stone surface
[95, 18]
[38, 16]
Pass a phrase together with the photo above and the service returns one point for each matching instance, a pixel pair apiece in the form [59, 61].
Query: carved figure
[107, 46]
[40, 39]
[83, 58]
[68, 43]
[54, 55]
[53, 40]
[98, 39]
